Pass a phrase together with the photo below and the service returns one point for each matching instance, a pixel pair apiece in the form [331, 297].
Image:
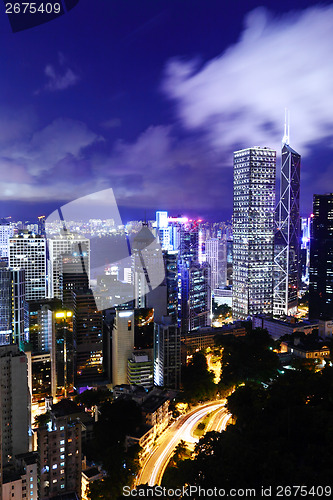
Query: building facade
[28, 251]
[253, 231]
[321, 258]
[122, 345]
[65, 246]
[287, 236]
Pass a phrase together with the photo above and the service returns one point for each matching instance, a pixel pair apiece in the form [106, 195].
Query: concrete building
[60, 462]
[20, 479]
[122, 345]
[140, 370]
[14, 402]
[277, 328]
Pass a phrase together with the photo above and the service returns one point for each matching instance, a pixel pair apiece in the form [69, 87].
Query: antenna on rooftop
[286, 136]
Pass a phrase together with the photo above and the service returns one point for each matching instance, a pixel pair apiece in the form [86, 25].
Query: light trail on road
[154, 467]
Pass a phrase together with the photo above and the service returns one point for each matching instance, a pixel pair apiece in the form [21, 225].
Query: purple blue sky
[151, 97]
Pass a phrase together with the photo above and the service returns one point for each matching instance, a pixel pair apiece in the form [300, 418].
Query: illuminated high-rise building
[28, 251]
[147, 265]
[321, 258]
[163, 230]
[216, 257]
[305, 249]
[14, 402]
[122, 345]
[167, 353]
[195, 298]
[6, 232]
[287, 235]
[253, 231]
[14, 328]
[88, 339]
[62, 247]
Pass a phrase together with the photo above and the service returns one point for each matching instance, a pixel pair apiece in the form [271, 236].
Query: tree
[197, 380]
[248, 358]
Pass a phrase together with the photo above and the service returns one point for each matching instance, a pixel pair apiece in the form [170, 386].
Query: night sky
[151, 97]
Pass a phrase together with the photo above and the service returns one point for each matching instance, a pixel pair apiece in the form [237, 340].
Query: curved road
[153, 469]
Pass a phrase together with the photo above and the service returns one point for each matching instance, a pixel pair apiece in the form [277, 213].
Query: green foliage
[43, 419]
[197, 380]
[283, 435]
[91, 397]
[248, 358]
[117, 419]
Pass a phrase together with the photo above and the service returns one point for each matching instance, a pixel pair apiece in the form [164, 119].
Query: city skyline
[157, 117]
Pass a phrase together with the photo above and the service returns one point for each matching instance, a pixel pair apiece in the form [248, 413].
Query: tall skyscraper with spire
[253, 232]
[287, 234]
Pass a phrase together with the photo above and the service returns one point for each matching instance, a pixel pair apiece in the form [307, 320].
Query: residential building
[20, 479]
[14, 402]
[59, 461]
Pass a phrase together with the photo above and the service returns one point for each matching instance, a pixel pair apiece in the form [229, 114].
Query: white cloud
[239, 97]
[59, 81]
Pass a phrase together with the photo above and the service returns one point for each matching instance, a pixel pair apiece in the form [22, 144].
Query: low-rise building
[306, 348]
[144, 436]
[89, 475]
[155, 410]
[278, 328]
[140, 370]
[19, 479]
[135, 392]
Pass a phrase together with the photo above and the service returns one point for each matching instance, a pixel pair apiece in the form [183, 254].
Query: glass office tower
[253, 231]
[287, 236]
[321, 258]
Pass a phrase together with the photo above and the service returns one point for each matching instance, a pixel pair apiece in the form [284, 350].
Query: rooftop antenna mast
[286, 136]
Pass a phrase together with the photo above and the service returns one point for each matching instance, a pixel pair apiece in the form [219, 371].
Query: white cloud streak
[239, 97]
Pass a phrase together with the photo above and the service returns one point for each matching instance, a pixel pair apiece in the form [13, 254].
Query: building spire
[285, 139]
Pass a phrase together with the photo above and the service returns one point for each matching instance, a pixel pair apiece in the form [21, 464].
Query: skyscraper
[321, 258]
[88, 338]
[28, 251]
[195, 299]
[14, 326]
[6, 232]
[122, 345]
[62, 246]
[14, 401]
[216, 256]
[287, 235]
[253, 231]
